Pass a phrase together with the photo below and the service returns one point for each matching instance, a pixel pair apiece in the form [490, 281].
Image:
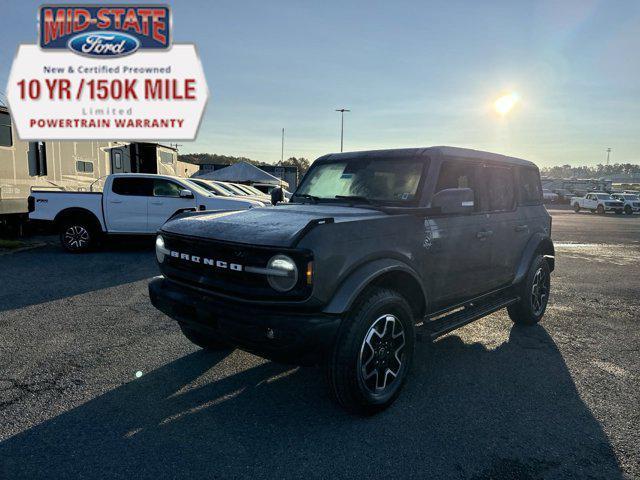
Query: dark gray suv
[375, 250]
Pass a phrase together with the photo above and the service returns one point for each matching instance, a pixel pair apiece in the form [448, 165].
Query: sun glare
[505, 103]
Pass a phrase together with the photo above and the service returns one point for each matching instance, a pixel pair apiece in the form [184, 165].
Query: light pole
[608, 153]
[342, 110]
[282, 150]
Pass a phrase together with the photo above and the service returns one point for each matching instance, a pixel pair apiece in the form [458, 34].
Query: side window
[500, 188]
[529, 187]
[166, 188]
[459, 174]
[117, 160]
[84, 167]
[166, 157]
[138, 187]
[6, 138]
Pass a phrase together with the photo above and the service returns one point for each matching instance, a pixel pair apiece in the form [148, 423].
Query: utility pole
[282, 150]
[342, 110]
[608, 153]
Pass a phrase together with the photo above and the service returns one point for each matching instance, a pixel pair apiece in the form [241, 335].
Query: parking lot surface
[95, 383]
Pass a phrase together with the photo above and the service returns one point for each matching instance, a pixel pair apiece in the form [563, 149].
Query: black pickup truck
[374, 250]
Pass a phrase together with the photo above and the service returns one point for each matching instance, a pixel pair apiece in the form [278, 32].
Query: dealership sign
[107, 72]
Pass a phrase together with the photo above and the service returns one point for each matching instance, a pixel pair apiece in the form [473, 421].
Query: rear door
[509, 232]
[166, 201]
[125, 206]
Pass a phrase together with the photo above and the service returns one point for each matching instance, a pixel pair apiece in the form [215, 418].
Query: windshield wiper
[356, 198]
[313, 198]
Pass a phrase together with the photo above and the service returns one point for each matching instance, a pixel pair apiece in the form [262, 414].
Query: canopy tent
[241, 172]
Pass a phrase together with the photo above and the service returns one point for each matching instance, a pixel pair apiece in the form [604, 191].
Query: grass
[10, 244]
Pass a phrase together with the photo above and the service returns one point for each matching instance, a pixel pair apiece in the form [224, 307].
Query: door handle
[115, 201]
[483, 234]
[521, 228]
[156, 203]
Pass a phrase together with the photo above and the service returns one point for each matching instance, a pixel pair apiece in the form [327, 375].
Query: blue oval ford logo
[104, 44]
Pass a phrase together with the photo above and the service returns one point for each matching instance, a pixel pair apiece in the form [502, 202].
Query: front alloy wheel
[539, 292]
[381, 355]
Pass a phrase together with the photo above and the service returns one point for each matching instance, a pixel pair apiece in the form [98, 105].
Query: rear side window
[459, 174]
[500, 185]
[529, 187]
[6, 138]
[137, 187]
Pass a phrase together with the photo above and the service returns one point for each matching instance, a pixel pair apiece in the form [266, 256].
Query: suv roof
[444, 152]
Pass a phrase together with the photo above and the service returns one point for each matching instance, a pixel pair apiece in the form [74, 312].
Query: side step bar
[443, 325]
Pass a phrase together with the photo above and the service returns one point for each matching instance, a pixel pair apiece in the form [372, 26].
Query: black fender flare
[363, 276]
[78, 212]
[538, 243]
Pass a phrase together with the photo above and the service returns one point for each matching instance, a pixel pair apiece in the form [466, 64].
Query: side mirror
[277, 195]
[186, 194]
[454, 201]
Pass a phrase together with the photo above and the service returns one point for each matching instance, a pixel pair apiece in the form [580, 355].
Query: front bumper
[284, 336]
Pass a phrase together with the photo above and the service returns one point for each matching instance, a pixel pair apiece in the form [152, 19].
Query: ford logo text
[104, 44]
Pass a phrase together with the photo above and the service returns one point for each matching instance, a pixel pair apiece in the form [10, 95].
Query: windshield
[235, 190]
[197, 188]
[630, 197]
[385, 180]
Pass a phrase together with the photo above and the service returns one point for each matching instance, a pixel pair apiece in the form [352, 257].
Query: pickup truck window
[166, 188]
[382, 180]
[137, 187]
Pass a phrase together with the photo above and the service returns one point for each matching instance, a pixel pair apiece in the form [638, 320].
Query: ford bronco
[375, 250]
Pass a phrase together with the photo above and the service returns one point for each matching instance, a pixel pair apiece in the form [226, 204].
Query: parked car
[129, 204]
[631, 202]
[597, 202]
[216, 189]
[549, 197]
[374, 248]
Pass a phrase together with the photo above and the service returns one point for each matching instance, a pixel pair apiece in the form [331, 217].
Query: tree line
[586, 171]
[206, 158]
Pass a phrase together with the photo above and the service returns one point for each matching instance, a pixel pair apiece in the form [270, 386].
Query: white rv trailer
[69, 165]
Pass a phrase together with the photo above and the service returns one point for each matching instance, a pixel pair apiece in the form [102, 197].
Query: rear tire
[203, 340]
[576, 207]
[77, 236]
[372, 354]
[534, 294]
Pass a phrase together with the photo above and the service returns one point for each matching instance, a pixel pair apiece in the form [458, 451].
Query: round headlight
[284, 273]
[161, 250]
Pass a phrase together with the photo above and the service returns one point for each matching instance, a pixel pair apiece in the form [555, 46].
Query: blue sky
[414, 73]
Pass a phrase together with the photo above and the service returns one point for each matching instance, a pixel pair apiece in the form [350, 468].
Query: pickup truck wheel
[628, 210]
[576, 207]
[534, 294]
[600, 210]
[208, 342]
[77, 236]
[373, 352]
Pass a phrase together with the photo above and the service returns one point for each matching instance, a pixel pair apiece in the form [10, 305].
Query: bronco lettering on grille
[208, 261]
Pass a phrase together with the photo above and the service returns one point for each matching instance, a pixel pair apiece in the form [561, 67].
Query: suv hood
[278, 226]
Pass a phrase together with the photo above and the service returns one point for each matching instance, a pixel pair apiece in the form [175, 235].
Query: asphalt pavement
[95, 383]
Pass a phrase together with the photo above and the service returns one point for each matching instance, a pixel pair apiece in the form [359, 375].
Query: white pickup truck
[131, 204]
[597, 202]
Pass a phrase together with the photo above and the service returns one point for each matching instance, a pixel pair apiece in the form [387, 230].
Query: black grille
[227, 280]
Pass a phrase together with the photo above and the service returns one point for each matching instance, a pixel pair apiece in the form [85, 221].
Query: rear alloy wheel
[76, 237]
[534, 294]
[628, 210]
[600, 210]
[576, 207]
[373, 352]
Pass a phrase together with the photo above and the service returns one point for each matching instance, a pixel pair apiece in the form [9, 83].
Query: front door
[166, 201]
[459, 245]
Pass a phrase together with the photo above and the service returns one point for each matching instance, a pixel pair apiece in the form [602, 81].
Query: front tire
[77, 236]
[576, 207]
[373, 352]
[203, 340]
[628, 210]
[600, 210]
[534, 294]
